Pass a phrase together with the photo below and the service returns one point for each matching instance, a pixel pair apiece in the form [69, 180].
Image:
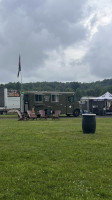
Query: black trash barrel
[89, 123]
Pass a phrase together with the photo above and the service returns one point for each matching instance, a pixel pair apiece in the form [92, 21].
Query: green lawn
[54, 160]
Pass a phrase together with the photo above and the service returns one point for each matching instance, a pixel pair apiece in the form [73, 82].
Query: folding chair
[31, 115]
[56, 115]
[42, 114]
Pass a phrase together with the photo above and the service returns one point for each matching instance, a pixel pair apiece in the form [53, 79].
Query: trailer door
[26, 106]
[70, 108]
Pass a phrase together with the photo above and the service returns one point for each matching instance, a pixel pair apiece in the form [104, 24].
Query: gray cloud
[34, 27]
[52, 40]
[99, 56]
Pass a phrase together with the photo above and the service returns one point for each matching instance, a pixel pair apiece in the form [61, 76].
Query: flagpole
[21, 107]
[19, 72]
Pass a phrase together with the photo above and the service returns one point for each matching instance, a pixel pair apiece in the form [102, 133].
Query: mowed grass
[54, 160]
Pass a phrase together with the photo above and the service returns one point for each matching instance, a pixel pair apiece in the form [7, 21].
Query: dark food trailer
[98, 105]
[51, 101]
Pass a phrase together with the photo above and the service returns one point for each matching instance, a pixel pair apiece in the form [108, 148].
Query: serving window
[54, 98]
[70, 99]
[38, 98]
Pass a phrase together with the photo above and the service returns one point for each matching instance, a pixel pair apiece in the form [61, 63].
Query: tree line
[81, 89]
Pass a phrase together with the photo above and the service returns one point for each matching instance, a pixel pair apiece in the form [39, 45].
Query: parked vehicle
[51, 101]
[9, 99]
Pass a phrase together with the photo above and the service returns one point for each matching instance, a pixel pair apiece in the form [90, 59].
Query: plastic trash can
[89, 123]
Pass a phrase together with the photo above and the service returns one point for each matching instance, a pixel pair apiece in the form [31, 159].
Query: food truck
[51, 101]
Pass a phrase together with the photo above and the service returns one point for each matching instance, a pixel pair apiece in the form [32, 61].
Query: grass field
[54, 160]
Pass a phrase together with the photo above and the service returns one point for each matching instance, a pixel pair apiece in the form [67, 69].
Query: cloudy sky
[58, 40]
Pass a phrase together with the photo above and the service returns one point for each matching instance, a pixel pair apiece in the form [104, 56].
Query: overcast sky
[58, 40]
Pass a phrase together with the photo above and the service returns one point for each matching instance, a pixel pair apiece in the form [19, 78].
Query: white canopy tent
[106, 96]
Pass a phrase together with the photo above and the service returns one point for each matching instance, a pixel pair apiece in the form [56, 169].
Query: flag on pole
[19, 66]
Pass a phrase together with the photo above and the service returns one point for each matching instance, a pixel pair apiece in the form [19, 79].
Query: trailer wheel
[76, 113]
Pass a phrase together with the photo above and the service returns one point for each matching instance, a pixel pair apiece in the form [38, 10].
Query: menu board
[13, 93]
[46, 98]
